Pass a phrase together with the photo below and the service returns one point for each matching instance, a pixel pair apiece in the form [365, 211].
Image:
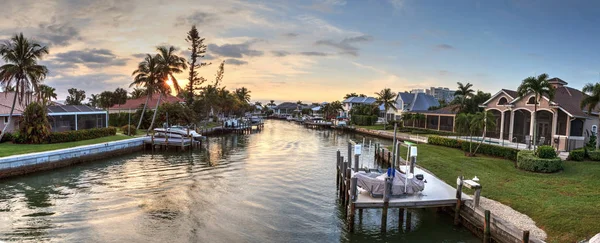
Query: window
[502, 101]
[531, 100]
[594, 129]
[6, 120]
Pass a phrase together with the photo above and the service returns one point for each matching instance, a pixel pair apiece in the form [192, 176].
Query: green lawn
[7, 149]
[565, 204]
[377, 127]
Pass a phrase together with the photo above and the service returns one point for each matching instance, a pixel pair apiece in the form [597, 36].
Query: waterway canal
[274, 186]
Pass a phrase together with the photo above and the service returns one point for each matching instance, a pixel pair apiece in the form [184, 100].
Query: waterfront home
[286, 108]
[351, 101]
[61, 117]
[561, 121]
[411, 102]
[134, 104]
[442, 119]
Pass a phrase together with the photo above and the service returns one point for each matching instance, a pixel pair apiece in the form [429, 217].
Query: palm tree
[463, 92]
[406, 117]
[272, 103]
[539, 87]
[592, 100]
[243, 94]
[147, 75]
[94, 100]
[169, 64]
[137, 93]
[387, 98]
[21, 69]
[481, 122]
[46, 94]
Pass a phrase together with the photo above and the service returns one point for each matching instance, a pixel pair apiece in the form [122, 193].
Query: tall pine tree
[198, 49]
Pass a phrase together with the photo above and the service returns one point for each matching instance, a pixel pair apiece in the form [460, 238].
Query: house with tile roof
[562, 122]
[134, 104]
[61, 117]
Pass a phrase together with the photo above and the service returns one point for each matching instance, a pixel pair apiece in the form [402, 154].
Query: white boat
[255, 120]
[231, 123]
[178, 132]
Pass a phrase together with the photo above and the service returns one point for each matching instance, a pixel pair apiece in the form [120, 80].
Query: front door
[543, 131]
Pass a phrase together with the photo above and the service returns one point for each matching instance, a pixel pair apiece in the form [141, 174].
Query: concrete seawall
[390, 135]
[29, 163]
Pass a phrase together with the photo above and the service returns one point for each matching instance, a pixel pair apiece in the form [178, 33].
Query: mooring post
[525, 236]
[389, 157]
[408, 220]
[477, 197]
[337, 168]
[387, 189]
[352, 206]
[400, 218]
[356, 163]
[486, 228]
[346, 191]
[398, 157]
[340, 169]
[413, 161]
[350, 153]
[458, 200]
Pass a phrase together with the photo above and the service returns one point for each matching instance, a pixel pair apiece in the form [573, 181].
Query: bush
[577, 155]
[486, 149]
[129, 130]
[594, 155]
[7, 137]
[120, 119]
[71, 136]
[447, 142]
[363, 120]
[546, 152]
[35, 127]
[526, 160]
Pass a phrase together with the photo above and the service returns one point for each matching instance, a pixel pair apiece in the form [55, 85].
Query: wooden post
[486, 228]
[350, 153]
[398, 155]
[352, 206]
[477, 197]
[400, 218]
[525, 236]
[386, 200]
[337, 167]
[356, 162]
[458, 201]
[408, 220]
[346, 191]
[413, 161]
[389, 157]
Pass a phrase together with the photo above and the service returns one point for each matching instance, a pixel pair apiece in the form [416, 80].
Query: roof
[451, 109]
[360, 100]
[56, 109]
[417, 101]
[511, 93]
[569, 99]
[6, 99]
[287, 106]
[556, 80]
[136, 103]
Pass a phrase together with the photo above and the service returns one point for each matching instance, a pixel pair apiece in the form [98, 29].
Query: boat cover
[375, 183]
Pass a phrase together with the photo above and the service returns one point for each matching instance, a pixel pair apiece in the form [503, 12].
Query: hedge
[486, 149]
[526, 160]
[129, 130]
[7, 137]
[594, 155]
[577, 155]
[546, 152]
[425, 131]
[71, 136]
[363, 120]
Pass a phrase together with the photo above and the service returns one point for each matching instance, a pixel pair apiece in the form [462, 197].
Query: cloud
[444, 72]
[92, 58]
[235, 62]
[291, 35]
[326, 6]
[196, 18]
[139, 55]
[314, 53]
[444, 47]
[280, 53]
[59, 34]
[234, 50]
[346, 45]
[91, 83]
[397, 4]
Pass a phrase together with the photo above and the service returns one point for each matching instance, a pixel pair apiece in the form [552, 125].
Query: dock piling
[352, 206]
[408, 220]
[486, 228]
[387, 191]
[525, 236]
[458, 200]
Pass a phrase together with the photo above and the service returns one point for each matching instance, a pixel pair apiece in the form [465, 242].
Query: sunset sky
[317, 50]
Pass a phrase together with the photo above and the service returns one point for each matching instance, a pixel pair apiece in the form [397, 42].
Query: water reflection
[277, 185]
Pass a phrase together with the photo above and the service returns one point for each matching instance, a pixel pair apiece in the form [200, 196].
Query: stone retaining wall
[28, 163]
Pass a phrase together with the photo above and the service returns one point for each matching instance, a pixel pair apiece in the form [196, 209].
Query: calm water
[274, 186]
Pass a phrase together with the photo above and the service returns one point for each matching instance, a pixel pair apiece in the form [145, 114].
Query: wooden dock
[317, 125]
[437, 194]
[164, 143]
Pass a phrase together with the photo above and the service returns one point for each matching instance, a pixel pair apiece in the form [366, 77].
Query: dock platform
[166, 143]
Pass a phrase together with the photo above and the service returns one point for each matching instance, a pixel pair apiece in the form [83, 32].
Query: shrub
[594, 155]
[7, 137]
[526, 160]
[129, 130]
[486, 149]
[35, 127]
[577, 155]
[71, 136]
[120, 119]
[546, 152]
[363, 120]
[442, 141]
